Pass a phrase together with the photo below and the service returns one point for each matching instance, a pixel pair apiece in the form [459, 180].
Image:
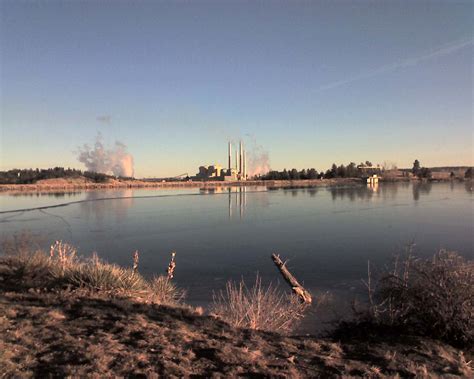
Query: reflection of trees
[468, 186]
[312, 191]
[389, 191]
[55, 194]
[352, 193]
[99, 208]
[420, 188]
[296, 190]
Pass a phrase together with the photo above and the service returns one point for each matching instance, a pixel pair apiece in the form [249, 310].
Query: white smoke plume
[258, 160]
[116, 161]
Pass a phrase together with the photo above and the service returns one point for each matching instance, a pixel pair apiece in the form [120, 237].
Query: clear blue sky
[312, 82]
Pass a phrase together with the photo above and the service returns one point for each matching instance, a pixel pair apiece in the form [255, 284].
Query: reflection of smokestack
[240, 159]
[230, 202]
[240, 202]
[244, 166]
[230, 156]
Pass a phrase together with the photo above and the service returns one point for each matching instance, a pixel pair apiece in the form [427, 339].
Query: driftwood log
[297, 288]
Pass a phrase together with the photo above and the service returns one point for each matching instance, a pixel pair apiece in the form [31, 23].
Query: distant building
[209, 172]
[236, 173]
[396, 174]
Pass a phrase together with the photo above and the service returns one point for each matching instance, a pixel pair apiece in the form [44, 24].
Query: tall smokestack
[240, 159]
[230, 156]
[236, 161]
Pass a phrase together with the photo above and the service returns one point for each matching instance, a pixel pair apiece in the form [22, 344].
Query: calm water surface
[328, 234]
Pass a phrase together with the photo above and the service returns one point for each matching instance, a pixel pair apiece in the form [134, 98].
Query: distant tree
[312, 174]
[341, 171]
[285, 175]
[424, 173]
[294, 174]
[468, 173]
[28, 176]
[388, 165]
[416, 167]
[333, 170]
[368, 163]
[351, 170]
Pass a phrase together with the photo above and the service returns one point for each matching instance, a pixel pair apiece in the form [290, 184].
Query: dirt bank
[62, 334]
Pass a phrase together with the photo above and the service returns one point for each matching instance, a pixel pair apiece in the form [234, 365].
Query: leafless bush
[433, 297]
[258, 307]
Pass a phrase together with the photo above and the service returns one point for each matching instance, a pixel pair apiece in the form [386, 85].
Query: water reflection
[96, 209]
[468, 186]
[237, 200]
[55, 194]
[352, 193]
[421, 188]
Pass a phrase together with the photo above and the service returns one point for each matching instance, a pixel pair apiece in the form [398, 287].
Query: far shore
[84, 184]
[73, 184]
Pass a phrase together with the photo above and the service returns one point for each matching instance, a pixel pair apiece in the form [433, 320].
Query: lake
[327, 234]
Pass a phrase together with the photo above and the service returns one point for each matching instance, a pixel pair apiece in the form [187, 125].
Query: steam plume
[258, 160]
[116, 161]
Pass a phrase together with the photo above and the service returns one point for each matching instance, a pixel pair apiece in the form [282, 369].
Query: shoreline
[81, 184]
[84, 331]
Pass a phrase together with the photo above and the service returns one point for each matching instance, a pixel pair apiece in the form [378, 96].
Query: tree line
[342, 171]
[30, 176]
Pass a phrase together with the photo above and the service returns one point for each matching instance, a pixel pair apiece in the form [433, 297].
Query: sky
[310, 83]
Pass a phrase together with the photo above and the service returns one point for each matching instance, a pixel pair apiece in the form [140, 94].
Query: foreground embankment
[62, 316]
[78, 184]
[45, 334]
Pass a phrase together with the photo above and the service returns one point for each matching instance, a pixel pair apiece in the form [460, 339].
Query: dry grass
[433, 297]
[258, 307]
[27, 268]
[163, 291]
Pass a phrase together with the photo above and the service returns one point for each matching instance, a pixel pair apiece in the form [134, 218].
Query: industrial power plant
[236, 173]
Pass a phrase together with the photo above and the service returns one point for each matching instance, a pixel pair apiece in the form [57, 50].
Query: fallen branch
[297, 288]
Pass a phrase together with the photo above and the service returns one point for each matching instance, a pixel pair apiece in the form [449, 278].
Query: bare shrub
[258, 307]
[433, 297]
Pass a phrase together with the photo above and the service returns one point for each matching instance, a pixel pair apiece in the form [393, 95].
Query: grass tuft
[163, 291]
[63, 269]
